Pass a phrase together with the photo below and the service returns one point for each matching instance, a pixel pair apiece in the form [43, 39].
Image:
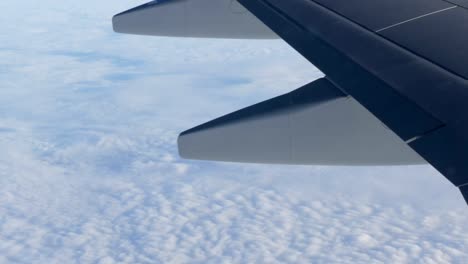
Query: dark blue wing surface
[405, 61]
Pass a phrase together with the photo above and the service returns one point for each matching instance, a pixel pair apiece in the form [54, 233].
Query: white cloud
[89, 171]
[52, 214]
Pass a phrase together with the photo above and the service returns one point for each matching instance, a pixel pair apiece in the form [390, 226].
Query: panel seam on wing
[415, 18]
[424, 134]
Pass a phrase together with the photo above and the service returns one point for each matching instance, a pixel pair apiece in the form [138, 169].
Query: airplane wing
[404, 61]
[395, 89]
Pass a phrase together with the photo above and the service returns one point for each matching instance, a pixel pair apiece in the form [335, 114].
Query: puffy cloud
[53, 214]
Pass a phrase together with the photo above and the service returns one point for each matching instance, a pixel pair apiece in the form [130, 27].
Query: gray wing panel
[315, 124]
[191, 18]
[422, 101]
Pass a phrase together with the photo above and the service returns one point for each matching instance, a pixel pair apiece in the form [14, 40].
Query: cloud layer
[158, 213]
[89, 171]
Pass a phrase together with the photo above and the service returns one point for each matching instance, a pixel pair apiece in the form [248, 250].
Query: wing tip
[181, 147]
[114, 24]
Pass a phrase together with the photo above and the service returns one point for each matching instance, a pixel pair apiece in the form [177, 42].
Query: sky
[89, 170]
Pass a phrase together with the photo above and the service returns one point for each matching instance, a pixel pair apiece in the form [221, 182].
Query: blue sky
[89, 171]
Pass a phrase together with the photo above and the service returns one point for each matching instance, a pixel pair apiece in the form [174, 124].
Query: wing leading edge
[392, 63]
